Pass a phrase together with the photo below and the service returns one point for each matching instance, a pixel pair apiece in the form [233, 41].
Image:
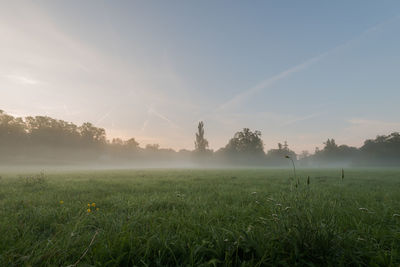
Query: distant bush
[34, 180]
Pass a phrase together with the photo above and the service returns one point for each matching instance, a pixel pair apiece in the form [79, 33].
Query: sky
[298, 71]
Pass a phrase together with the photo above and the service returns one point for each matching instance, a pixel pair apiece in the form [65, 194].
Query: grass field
[200, 218]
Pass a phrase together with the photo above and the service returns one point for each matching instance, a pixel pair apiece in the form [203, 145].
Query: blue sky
[301, 71]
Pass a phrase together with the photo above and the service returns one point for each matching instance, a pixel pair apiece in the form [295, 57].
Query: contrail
[268, 82]
[144, 126]
[115, 106]
[105, 115]
[297, 68]
[161, 116]
[146, 122]
[307, 117]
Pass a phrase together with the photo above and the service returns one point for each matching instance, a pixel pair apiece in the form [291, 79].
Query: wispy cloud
[300, 119]
[21, 79]
[374, 124]
[105, 115]
[267, 83]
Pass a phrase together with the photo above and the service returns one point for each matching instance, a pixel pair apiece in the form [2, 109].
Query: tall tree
[201, 144]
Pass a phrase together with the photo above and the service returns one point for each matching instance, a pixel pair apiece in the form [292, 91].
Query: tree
[13, 135]
[246, 142]
[201, 144]
[11, 128]
[91, 134]
[285, 146]
[383, 150]
[279, 146]
[152, 147]
[334, 155]
[305, 158]
[304, 154]
[132, 144]
[117, 142]
[330, 145]
[278, 156]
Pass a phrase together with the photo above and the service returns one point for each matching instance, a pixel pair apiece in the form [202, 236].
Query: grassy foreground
[200, 218]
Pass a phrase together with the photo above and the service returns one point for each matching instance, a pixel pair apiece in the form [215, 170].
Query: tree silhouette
[333, 155]
[45, 139]
[383, 150]
[131, 144]
[201, 144]
[92, 134]
[246, 142]
[152, 147]
[277, 156]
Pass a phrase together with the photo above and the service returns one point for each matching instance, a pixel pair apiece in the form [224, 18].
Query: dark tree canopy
[278, 156]
[332, 154]
[42, 138]
[246, 142]
[383, 150]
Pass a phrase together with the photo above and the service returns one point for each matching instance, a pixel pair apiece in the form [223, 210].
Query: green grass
[201, 218]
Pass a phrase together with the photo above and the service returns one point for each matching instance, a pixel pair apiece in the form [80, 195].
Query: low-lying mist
[44, 142]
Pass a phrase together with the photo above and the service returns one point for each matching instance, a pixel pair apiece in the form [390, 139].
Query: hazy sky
[300, 71]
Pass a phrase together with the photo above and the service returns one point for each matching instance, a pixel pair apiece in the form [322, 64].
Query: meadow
[189, 217]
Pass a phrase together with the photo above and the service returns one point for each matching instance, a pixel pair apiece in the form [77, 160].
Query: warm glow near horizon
[301, 73]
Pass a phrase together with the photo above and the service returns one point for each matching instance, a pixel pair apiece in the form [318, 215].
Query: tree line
[45, 140]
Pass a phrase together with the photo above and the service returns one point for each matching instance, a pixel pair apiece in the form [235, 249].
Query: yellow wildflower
[61, 202]
[89, 210]
[93, 204]
[88, 205]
